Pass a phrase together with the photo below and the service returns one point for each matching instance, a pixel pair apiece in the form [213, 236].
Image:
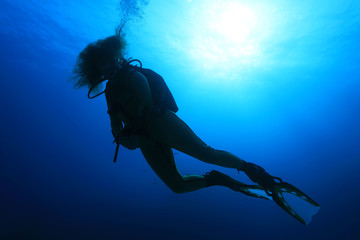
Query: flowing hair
[91, 62]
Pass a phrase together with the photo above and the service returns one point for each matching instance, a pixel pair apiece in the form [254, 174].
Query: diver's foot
[217, 178]
[258, 175]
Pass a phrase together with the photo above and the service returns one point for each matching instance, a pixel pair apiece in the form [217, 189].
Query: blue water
[274, 82]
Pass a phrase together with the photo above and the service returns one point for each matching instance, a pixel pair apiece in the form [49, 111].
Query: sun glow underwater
[229, 35]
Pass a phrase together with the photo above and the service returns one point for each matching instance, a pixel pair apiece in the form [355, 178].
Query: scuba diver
[143, 115]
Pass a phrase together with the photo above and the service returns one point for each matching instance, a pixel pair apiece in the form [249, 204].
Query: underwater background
[274, 82]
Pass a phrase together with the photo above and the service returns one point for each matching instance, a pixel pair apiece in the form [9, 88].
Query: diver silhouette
[143, 115]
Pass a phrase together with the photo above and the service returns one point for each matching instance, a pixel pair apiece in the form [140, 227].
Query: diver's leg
[161, 160]
[169, 129]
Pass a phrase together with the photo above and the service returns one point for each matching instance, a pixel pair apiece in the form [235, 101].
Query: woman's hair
[91, 62]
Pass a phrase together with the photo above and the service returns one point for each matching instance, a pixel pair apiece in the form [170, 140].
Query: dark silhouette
[143, 115]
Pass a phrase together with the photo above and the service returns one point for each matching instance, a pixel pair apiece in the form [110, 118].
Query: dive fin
[304, 215]
[217, 178]
[253, 191]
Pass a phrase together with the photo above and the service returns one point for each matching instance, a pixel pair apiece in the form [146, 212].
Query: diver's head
[98, 60]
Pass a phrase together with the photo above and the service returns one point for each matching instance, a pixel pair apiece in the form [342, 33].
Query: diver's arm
[142, 90]
[116, 125]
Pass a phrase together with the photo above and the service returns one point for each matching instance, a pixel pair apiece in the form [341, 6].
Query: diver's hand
[130, 142]
[258, 175]
[135, 127]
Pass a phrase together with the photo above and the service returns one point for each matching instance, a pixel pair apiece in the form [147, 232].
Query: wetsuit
[130, 101]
